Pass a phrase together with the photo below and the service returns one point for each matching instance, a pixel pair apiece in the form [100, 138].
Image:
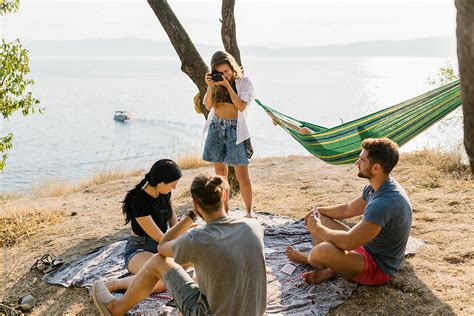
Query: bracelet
[192, 216]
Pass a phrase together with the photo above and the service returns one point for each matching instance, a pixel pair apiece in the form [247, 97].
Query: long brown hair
[224, 58]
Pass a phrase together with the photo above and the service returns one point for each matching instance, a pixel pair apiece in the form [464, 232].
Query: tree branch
[192, 63]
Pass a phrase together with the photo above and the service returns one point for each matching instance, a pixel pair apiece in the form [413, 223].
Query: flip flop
[47, 263]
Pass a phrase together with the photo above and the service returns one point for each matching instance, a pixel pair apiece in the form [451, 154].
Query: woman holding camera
[228, 139]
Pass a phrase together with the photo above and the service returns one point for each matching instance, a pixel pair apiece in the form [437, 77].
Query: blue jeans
[220, 143]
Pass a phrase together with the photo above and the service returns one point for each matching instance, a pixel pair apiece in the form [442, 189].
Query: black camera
[217, 76]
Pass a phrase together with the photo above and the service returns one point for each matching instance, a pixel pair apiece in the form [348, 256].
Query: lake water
[77, 135]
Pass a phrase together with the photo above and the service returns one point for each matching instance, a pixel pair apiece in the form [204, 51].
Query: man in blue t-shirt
[372, 251]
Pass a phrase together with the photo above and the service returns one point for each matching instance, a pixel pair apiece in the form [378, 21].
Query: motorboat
[122, 116]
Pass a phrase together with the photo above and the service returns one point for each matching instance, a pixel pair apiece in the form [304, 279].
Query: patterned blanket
[287, 293]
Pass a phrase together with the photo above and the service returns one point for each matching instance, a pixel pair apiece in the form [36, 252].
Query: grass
[19, 224]
[56, 188]
[191, 160]
[443, 163]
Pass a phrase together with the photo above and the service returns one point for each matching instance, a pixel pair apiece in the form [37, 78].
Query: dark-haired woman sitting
[149, 209]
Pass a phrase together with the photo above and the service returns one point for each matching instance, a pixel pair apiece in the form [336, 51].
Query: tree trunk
[229, 39]
[192, 63]
[228, 30]
[465, 39]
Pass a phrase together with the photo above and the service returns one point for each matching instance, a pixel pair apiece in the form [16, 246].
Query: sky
[264, 23]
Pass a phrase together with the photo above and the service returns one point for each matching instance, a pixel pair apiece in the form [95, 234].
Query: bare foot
[318, 276]
[295, 255]
[250, 215]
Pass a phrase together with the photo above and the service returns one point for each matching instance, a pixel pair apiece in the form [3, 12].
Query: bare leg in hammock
[301, 130]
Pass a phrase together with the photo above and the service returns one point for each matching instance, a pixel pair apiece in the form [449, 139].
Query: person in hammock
[299, 129]
[149, 209]
[372, 251]
[228, 140]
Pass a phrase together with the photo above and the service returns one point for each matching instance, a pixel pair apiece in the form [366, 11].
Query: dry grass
[108, 176]
[19, 224]
[191, 160]
[53, 188]
[9, 196]
[444, 162]
[57, 188]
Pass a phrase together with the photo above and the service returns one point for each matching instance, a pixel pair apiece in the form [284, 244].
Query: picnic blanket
[286, 293]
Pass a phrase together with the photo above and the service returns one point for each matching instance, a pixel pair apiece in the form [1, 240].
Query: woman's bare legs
[242, 174]
[222, 170]
[136, 263]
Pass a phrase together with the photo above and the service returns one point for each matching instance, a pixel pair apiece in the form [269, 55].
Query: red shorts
[372, 274]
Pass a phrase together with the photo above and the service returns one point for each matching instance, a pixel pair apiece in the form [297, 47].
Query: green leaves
[446, 74]
[8, 6]
[14, 85]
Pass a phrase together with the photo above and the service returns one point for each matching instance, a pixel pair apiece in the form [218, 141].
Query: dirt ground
[439, 280]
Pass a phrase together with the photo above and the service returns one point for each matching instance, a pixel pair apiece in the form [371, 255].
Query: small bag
[248, 148]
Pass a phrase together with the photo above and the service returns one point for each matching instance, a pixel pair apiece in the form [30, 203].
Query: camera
[217, 76]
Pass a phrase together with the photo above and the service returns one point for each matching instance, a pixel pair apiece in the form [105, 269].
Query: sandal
[47, 263]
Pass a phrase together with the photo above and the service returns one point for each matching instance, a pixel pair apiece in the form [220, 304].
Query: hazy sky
[259, 23]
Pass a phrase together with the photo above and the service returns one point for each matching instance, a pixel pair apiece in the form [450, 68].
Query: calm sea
[77, 136]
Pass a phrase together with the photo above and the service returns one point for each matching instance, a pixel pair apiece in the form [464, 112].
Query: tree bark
[229, 39]
[228, 30]
[465, 41]
[192, 63]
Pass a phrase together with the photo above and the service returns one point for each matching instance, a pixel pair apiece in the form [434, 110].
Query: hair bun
[217, 180]
[213, 182]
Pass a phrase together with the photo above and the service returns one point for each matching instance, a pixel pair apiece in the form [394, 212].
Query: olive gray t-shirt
[390, 208]
[230, 265]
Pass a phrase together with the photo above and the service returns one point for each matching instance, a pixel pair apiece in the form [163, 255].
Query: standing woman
[228, 139]
[149, 209]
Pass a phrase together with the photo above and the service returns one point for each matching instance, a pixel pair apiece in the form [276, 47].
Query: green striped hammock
[401, 122]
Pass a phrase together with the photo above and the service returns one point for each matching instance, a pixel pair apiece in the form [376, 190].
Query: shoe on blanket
[101, 297]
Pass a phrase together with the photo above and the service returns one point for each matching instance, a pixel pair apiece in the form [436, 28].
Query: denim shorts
[137, 244]
[220, 143]
[186, 292]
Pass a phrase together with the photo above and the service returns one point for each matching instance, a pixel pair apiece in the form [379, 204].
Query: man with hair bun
[227, 254]
[372, 251]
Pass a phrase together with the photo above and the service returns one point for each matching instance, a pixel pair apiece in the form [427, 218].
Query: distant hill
[134, 47]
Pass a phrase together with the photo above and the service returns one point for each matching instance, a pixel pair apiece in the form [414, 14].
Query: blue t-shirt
[390, 208]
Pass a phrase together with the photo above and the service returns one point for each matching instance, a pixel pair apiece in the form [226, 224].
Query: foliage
[446, 74]
[14, 94]
[7, 6]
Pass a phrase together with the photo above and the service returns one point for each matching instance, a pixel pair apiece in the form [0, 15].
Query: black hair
[164, 170]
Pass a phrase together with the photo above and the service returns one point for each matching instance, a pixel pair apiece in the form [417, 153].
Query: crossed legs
[328, 259]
